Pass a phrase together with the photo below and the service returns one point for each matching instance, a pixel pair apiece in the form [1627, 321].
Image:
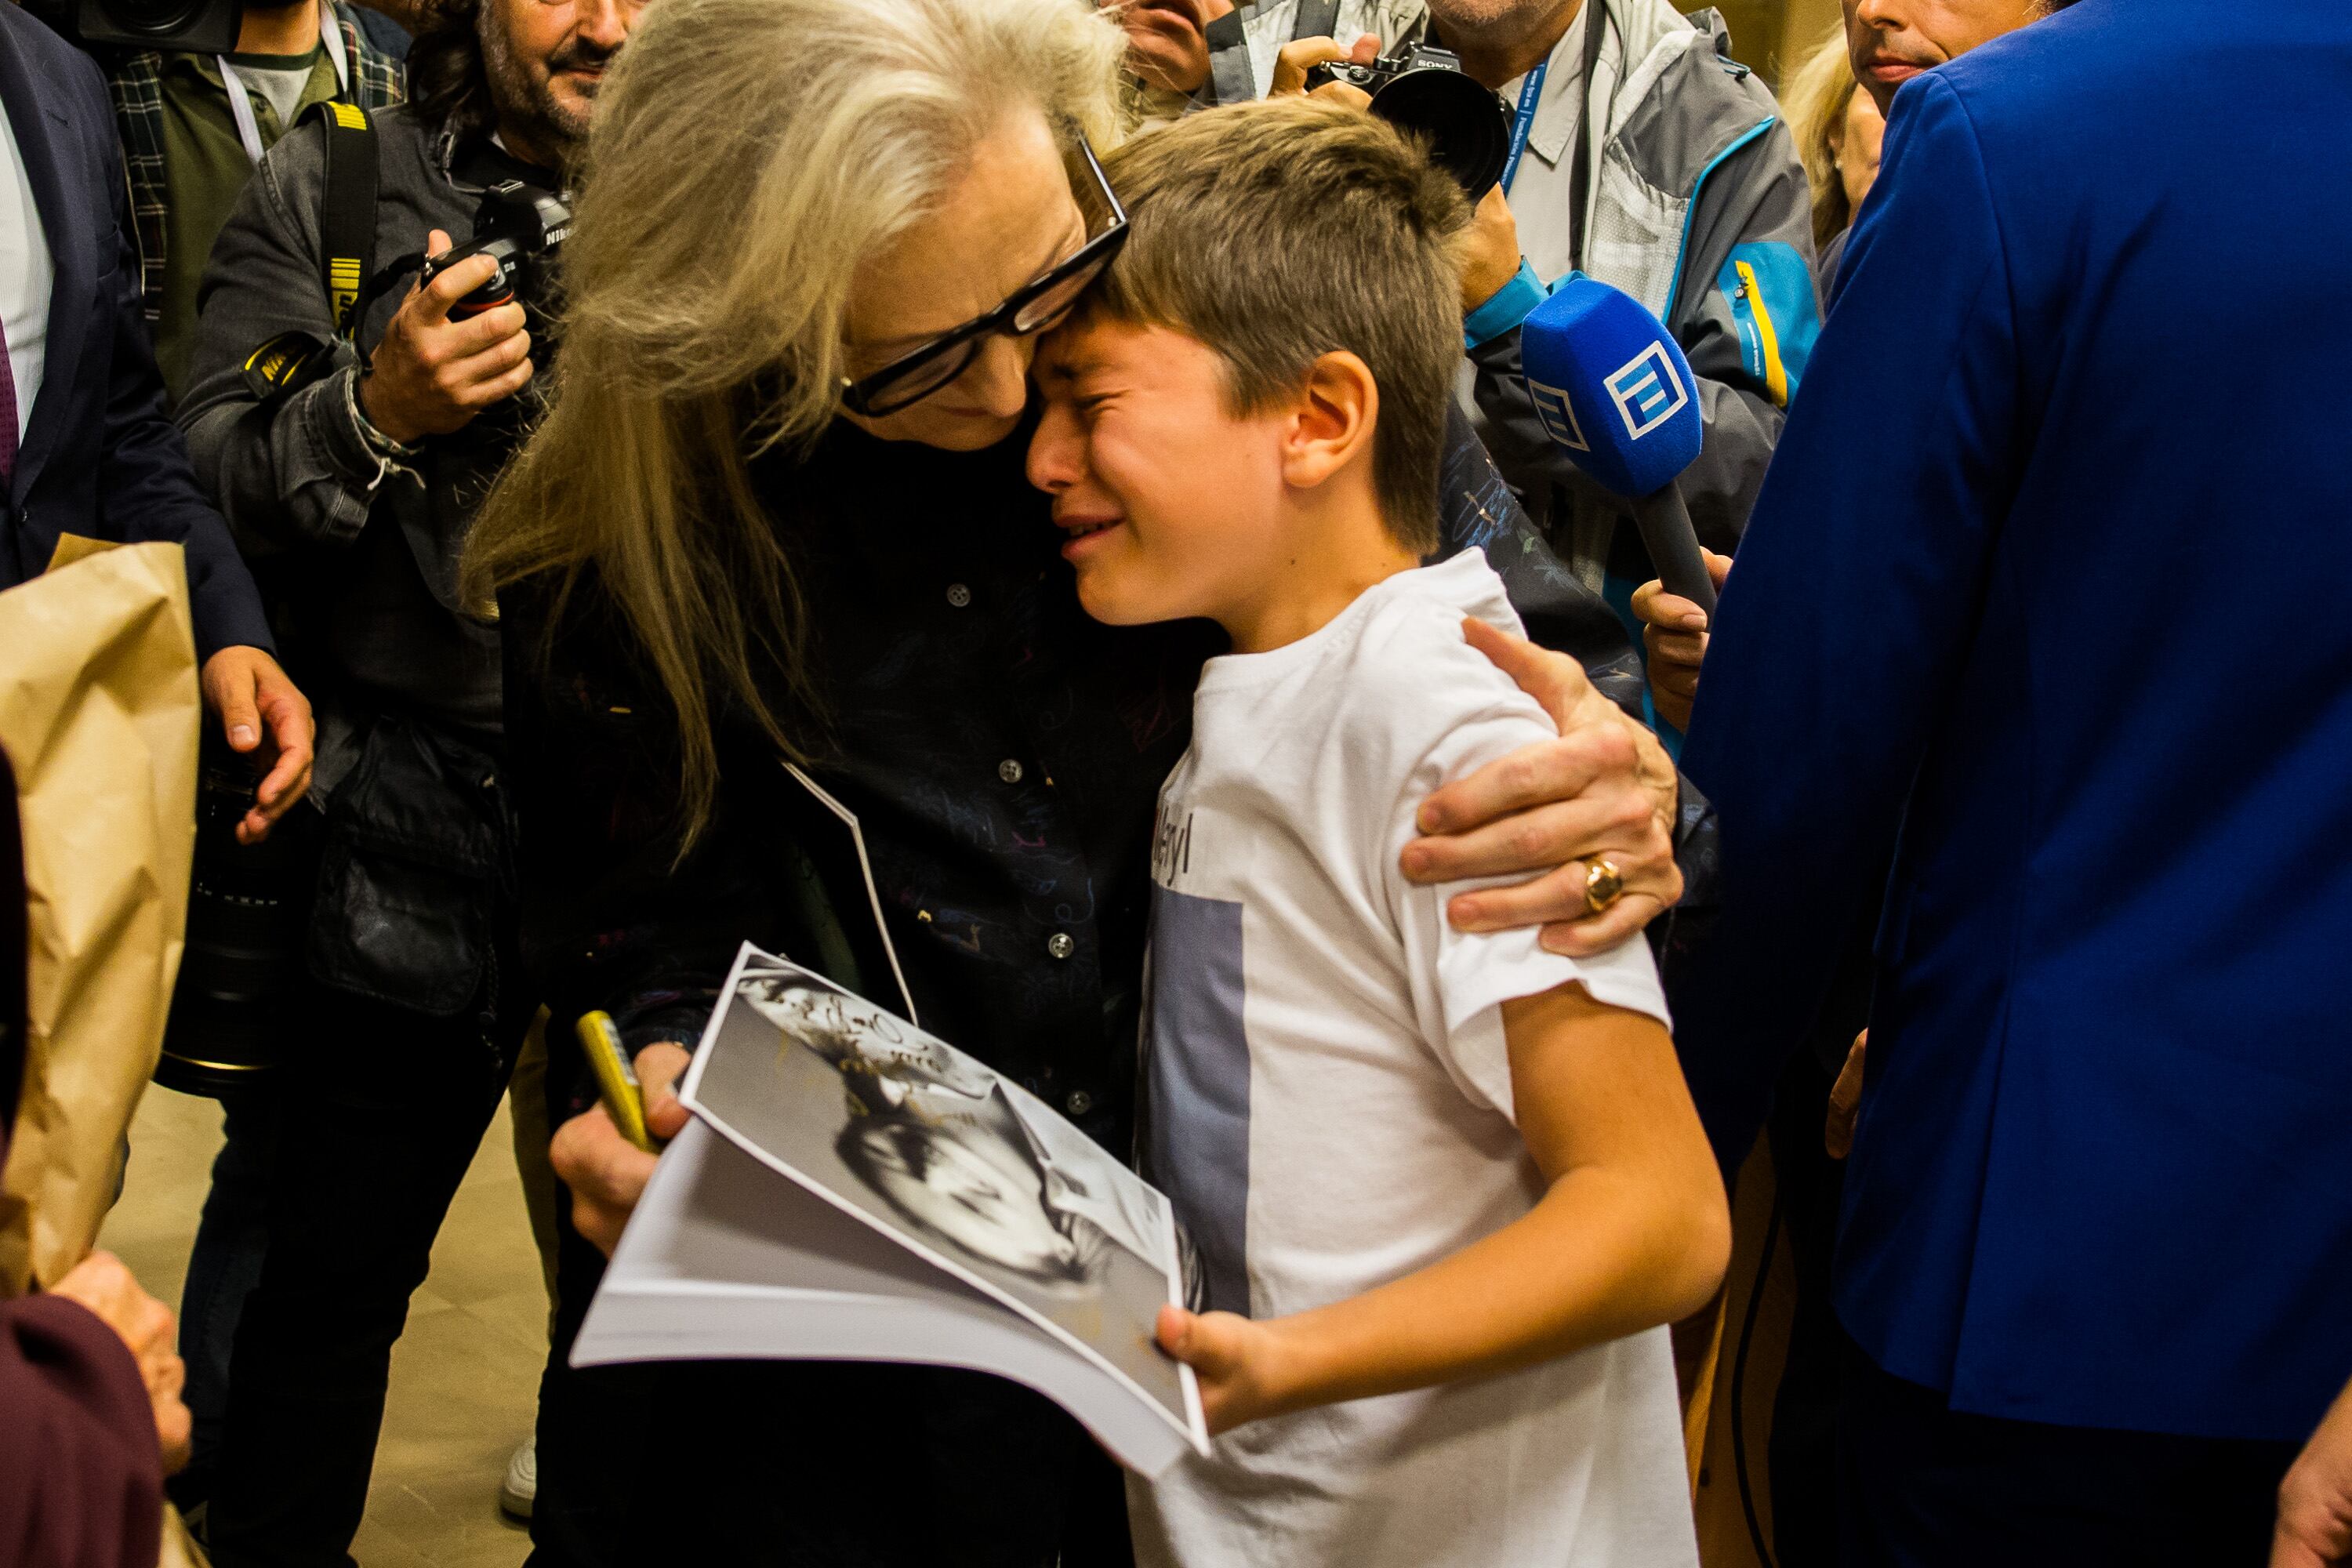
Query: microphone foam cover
[1612, 386]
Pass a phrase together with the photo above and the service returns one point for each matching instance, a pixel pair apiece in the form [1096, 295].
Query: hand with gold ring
[1604, 884]
[1604, 789]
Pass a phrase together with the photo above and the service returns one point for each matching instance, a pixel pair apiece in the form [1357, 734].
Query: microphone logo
[1646, 391]
[1559, 418]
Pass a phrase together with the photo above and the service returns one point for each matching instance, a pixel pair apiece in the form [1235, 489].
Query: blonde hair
[1280, 231]
[1813, 100]
[746, 159]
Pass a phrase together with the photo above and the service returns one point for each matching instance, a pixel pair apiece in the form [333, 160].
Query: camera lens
[1465, 126]
[153, 18]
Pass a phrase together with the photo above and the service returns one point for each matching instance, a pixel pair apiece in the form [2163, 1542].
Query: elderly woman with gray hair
[793, 658]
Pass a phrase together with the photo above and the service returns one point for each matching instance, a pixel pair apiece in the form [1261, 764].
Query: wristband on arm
[1504, 309]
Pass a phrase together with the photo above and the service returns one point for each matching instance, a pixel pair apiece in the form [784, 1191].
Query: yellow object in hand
[616, 1080]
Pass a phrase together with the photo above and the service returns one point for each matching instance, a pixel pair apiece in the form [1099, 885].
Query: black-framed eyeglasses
[1033, 308]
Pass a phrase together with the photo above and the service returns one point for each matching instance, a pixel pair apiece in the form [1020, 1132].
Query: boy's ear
[1331, 423]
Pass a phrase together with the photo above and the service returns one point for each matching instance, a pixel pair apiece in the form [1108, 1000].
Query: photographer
[355, 477]
[1646, 158]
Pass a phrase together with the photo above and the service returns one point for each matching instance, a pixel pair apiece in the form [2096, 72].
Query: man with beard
[356, 480]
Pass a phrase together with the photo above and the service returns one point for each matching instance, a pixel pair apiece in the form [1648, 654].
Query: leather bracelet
[382, 445]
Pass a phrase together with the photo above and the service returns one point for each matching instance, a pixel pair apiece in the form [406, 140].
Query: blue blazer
[2048, 596]
[98, 457]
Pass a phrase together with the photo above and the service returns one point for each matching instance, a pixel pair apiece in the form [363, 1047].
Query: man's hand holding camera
[432, 374]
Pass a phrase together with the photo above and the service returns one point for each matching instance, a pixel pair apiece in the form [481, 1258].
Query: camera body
[1422, 91]
[516, 226]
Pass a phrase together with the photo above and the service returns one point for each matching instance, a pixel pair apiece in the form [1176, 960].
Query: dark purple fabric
[81, 1473]
[7, 410]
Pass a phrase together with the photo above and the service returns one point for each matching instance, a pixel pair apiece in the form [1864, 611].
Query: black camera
[1422, 91]
[516, 226]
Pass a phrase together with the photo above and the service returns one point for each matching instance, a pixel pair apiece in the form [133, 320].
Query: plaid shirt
[136, 80]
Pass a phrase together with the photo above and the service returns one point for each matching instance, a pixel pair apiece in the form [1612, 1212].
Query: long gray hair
[747, 158]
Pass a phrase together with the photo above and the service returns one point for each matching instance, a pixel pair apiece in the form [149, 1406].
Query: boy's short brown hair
[1277, 232]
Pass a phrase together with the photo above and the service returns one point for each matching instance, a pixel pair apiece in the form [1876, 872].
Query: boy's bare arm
[1633, 1232]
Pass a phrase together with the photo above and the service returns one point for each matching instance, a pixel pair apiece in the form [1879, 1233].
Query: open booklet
[854, 1189]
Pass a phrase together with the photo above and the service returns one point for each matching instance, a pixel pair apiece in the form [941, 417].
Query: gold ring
[1604, 884]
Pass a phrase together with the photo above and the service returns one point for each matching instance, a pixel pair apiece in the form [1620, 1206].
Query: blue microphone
[1614, 391]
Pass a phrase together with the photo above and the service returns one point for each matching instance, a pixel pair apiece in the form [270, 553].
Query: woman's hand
[1604, 789]
[606, 1172]
[1239, 1364]
[112, 1295]
[1673, 636]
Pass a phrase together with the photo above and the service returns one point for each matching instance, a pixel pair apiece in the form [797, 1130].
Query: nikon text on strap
[346, 252]
[347, 211]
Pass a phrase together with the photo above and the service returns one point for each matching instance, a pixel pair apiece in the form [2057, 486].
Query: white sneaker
[521, 1489]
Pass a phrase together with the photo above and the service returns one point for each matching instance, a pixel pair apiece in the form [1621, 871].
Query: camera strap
[292, 360]
[347, 210]
[1580, 179]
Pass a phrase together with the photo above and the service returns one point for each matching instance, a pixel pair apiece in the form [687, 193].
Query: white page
[725, 1258]
[806, 1094]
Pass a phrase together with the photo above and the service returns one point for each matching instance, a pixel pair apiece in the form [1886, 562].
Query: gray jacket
[372, 545]
[1699, 209]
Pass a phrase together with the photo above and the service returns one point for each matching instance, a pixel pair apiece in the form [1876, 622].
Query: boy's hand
[1238, 1362]
[1604, 791]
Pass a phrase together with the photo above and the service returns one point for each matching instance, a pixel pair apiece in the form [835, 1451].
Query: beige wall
[1768, 34]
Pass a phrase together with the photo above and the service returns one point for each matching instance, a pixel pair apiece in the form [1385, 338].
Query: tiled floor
[465, 1375]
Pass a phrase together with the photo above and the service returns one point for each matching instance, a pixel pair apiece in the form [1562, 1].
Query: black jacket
[99, 459]
[1003, 780]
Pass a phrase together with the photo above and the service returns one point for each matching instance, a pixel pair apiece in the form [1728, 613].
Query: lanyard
[1530, 95]
[240, 102]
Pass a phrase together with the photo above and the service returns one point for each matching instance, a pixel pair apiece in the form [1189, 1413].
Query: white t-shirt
[1328, 1105]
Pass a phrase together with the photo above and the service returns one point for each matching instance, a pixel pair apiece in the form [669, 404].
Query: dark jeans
[802, 1464]
[232, 1238]
[379, 1118]
[1924, 1486]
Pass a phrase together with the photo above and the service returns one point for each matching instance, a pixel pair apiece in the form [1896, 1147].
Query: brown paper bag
[99, 714]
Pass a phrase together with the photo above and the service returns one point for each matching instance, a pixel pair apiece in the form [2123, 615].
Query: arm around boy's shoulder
[1446, 712]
